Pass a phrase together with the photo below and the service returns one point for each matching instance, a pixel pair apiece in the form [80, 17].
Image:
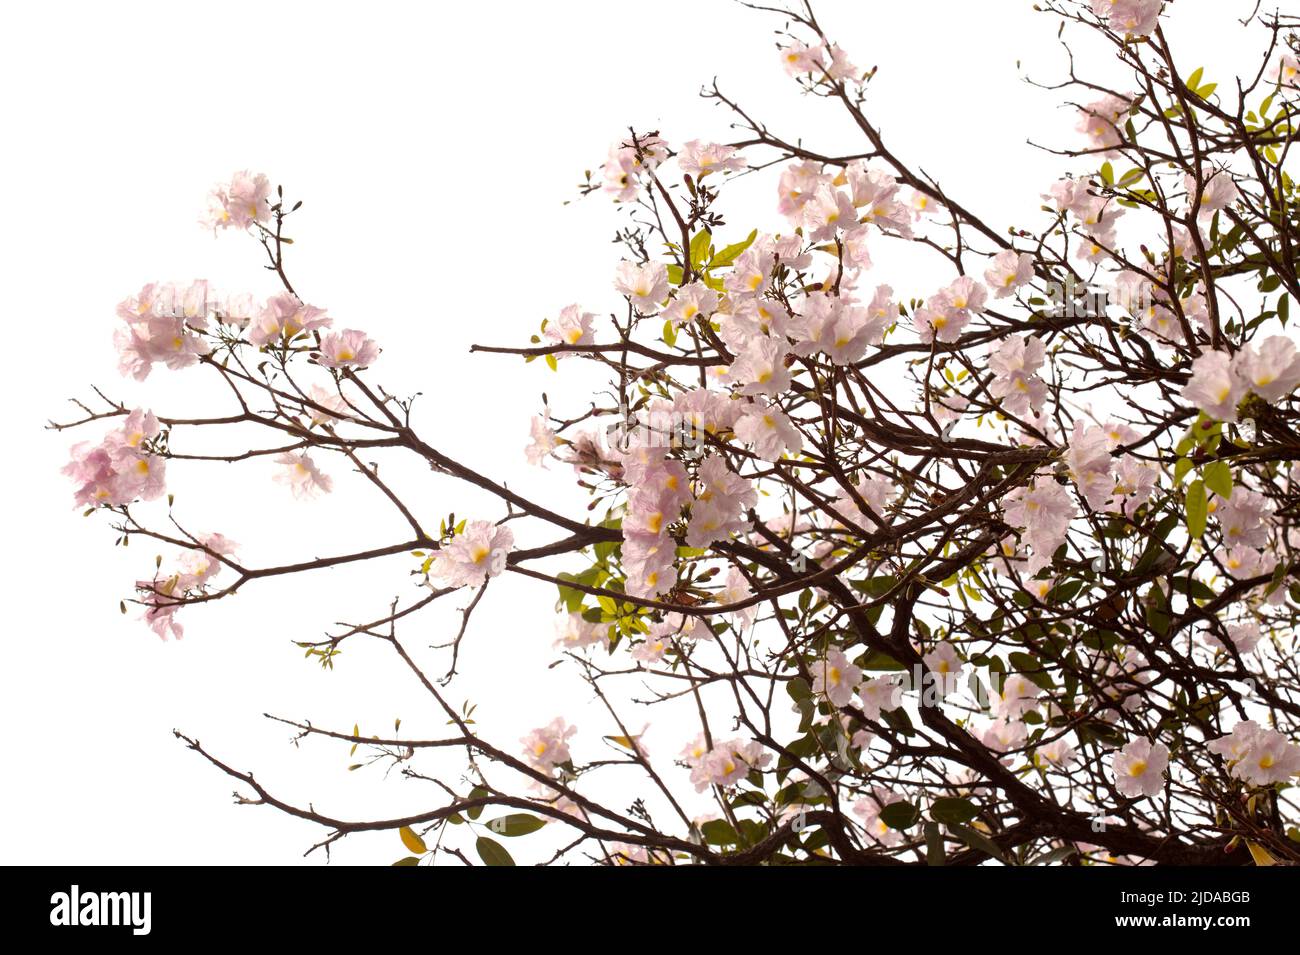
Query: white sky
[434, 147]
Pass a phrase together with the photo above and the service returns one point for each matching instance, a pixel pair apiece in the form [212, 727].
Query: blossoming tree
[998, 570]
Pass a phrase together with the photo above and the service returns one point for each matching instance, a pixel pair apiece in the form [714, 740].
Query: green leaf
[732, 252]
[900, 815]
[1194, 80]
[1197, 508]
[977, 841]
[516, 824]
[408, 860]
[492, 852]
[412, 841]
[700, 249]
[478, 792]
[933, 845]
[953, 811]
[718, 832]
[1218, 478]
[1107, 174]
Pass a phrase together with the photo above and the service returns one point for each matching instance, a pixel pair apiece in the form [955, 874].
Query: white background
[435, 147]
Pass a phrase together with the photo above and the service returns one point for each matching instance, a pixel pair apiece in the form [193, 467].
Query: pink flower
[329, 406]
[1017, 697]
[1058, 752]
[1244, 637]
[347, 349]
[800, 58]
[1003, 735]
[699, 159]
[1261, 757]
[1219, 192]
[1286, 72]
[1271, 369]
[302, 476]
[868, 809]
[726, 764]
[1140, 768]
[283, 318]
[799, 182]
[648, 564]
[159, 330]
[944, 663]
[645, 285]
[119, 469]
[630, 163]
[573, 632]
[1091, 465]
[474, 555]
[828, 210]
[573, 327]
[882, 693]
[1130, 17]
[548, 745]
[543, 441]
[935, 323]
[840, 68]
[735, 590]
[1242, 562]
[691, 302]
[875, 194]
[876, 493]
[751, 273]
[721, 500]
[1044, 510]
[241, 203]
[760, 368]
[1245, 518]
[1014, 365]
[1215, 388]
[1134, 482]
[1009, 271]
[768, 430]
[836, 678]
[833, 325]
[1101, 121]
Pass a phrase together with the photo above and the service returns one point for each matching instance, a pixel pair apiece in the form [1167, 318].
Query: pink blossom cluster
[1009, 271]
[1286, 72]
[947, 313]
[161, 324]
[164, 595]
[1102, 121]
[1219, 380]
[1258, 756]
[1043, 509]
[474, 555]
[1096, 217]
[630, 163]
[1129, 17]
[821, 60]
[548, 746]
[573, 632]
[120, 468]
[1108, 484]
[239, 204]
[725, 764]
[1016, 383]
